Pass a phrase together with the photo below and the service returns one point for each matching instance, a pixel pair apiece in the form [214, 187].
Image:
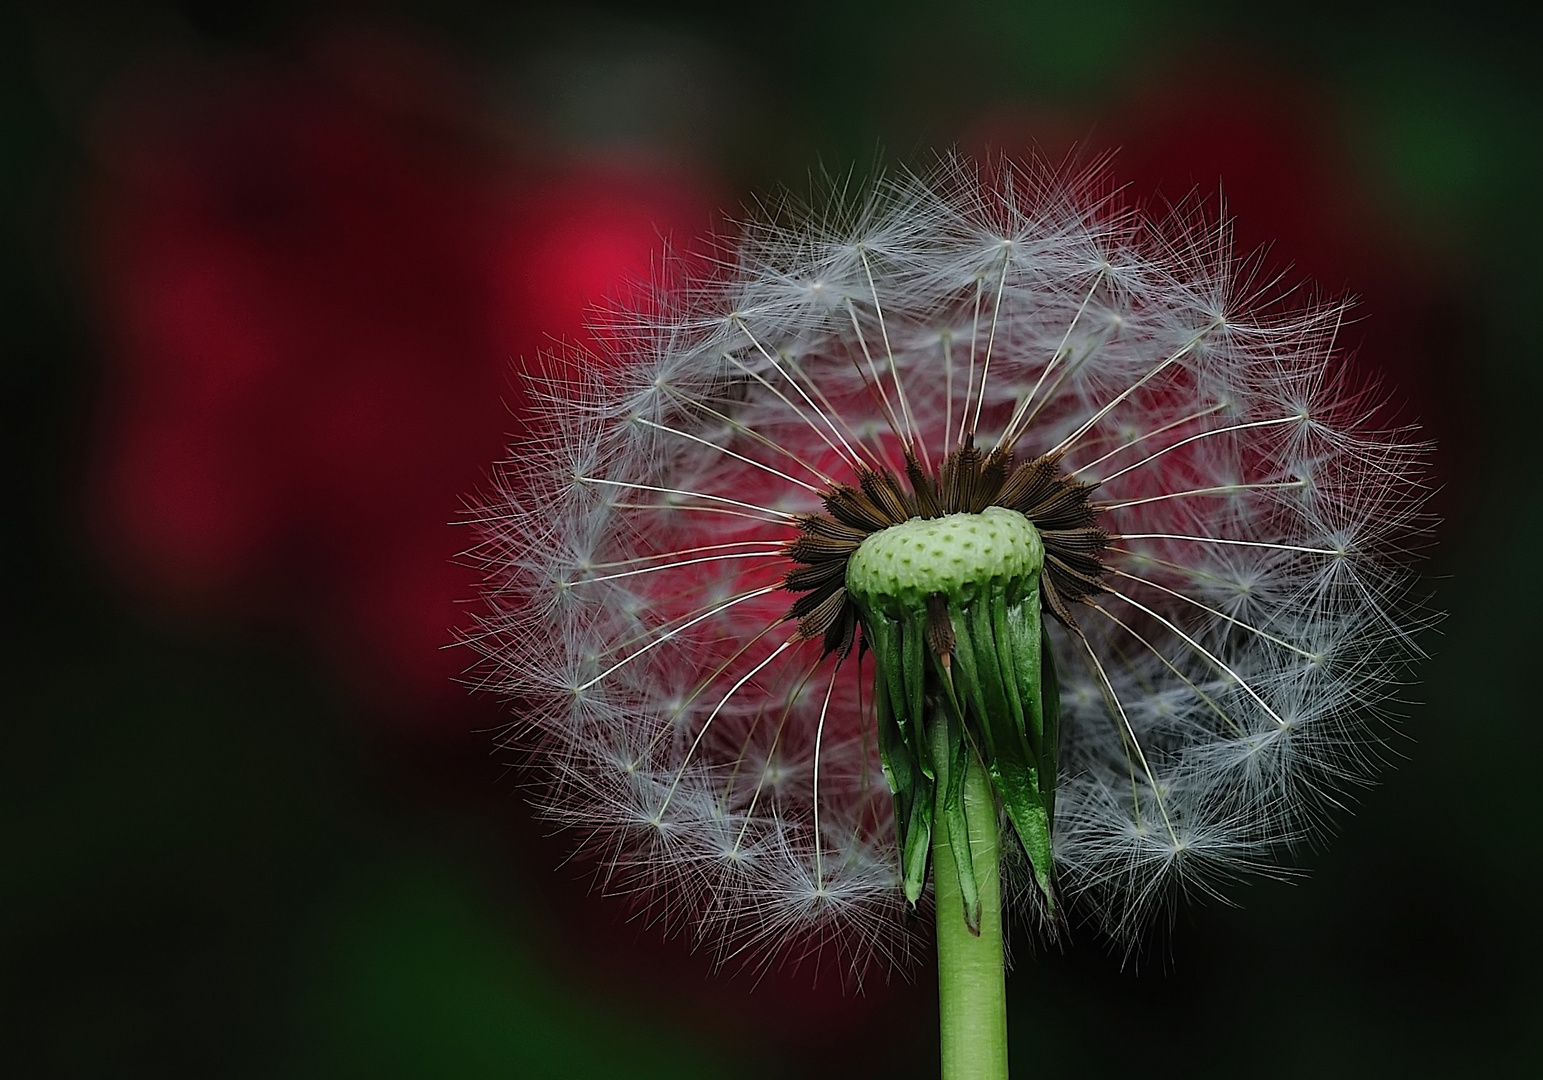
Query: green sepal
[900, 662]
[892, 754]
[889, 689]
[917, 843]
[951, 750]
[1035, 665]
[943, 669]
[1018, 788]
[1024, 649]
[1031, 821]
[913, 674]
[908, 772]
[1019, 699]
[994, 695]
[989, 672]
[1050, 692]
[969, 695]
[913, 793]
[1014, 768]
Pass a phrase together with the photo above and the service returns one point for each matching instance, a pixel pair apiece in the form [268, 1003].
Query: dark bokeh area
[264, 272]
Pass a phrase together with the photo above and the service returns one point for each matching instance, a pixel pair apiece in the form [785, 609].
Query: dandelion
[984, 533]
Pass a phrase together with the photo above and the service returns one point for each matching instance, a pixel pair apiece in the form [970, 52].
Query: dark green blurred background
[233, 845]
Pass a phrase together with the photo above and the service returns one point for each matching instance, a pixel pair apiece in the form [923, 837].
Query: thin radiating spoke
[708, 723]
[996, 311]
[770, 553]
[1127, 732]
[1223, 541]
[725, 450]
[704, 684]
[744, 747]
[744, 429]
[1203, 651]
[1201, 415]
[661, 639]
[1183, 350]
[1007, 434]
[946, 339]
[696, 509]
[1212, 611]
[876, 385]
[894, 371]
[673, 554]
[851, 454]
[878, 458]
[667, 601]
[819, 734]
[969, 383]
[1202, 435]
[1224, 489]
[848, 454]
[775, 514]
[1217, 709]
[1066, 372]
[782, 721]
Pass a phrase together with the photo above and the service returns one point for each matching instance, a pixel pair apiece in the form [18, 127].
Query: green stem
[972, 982]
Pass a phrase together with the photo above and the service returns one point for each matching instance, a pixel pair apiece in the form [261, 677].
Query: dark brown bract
[1058, 506]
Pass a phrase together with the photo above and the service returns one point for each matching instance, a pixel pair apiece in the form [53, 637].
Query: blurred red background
[319, 279]
[302, 261]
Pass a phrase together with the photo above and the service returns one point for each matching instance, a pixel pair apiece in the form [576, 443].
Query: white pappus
[1222, 678]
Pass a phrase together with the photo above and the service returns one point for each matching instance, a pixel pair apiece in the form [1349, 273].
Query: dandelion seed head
[1225, 537]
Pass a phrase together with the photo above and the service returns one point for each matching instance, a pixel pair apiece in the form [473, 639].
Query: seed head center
[960, 556]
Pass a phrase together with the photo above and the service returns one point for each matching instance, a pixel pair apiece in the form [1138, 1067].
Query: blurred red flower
[313, 280]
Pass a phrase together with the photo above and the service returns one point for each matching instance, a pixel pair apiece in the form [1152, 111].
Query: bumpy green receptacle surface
[960, 556]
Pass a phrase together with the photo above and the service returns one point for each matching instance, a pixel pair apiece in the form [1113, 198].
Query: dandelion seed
[1139, 643]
